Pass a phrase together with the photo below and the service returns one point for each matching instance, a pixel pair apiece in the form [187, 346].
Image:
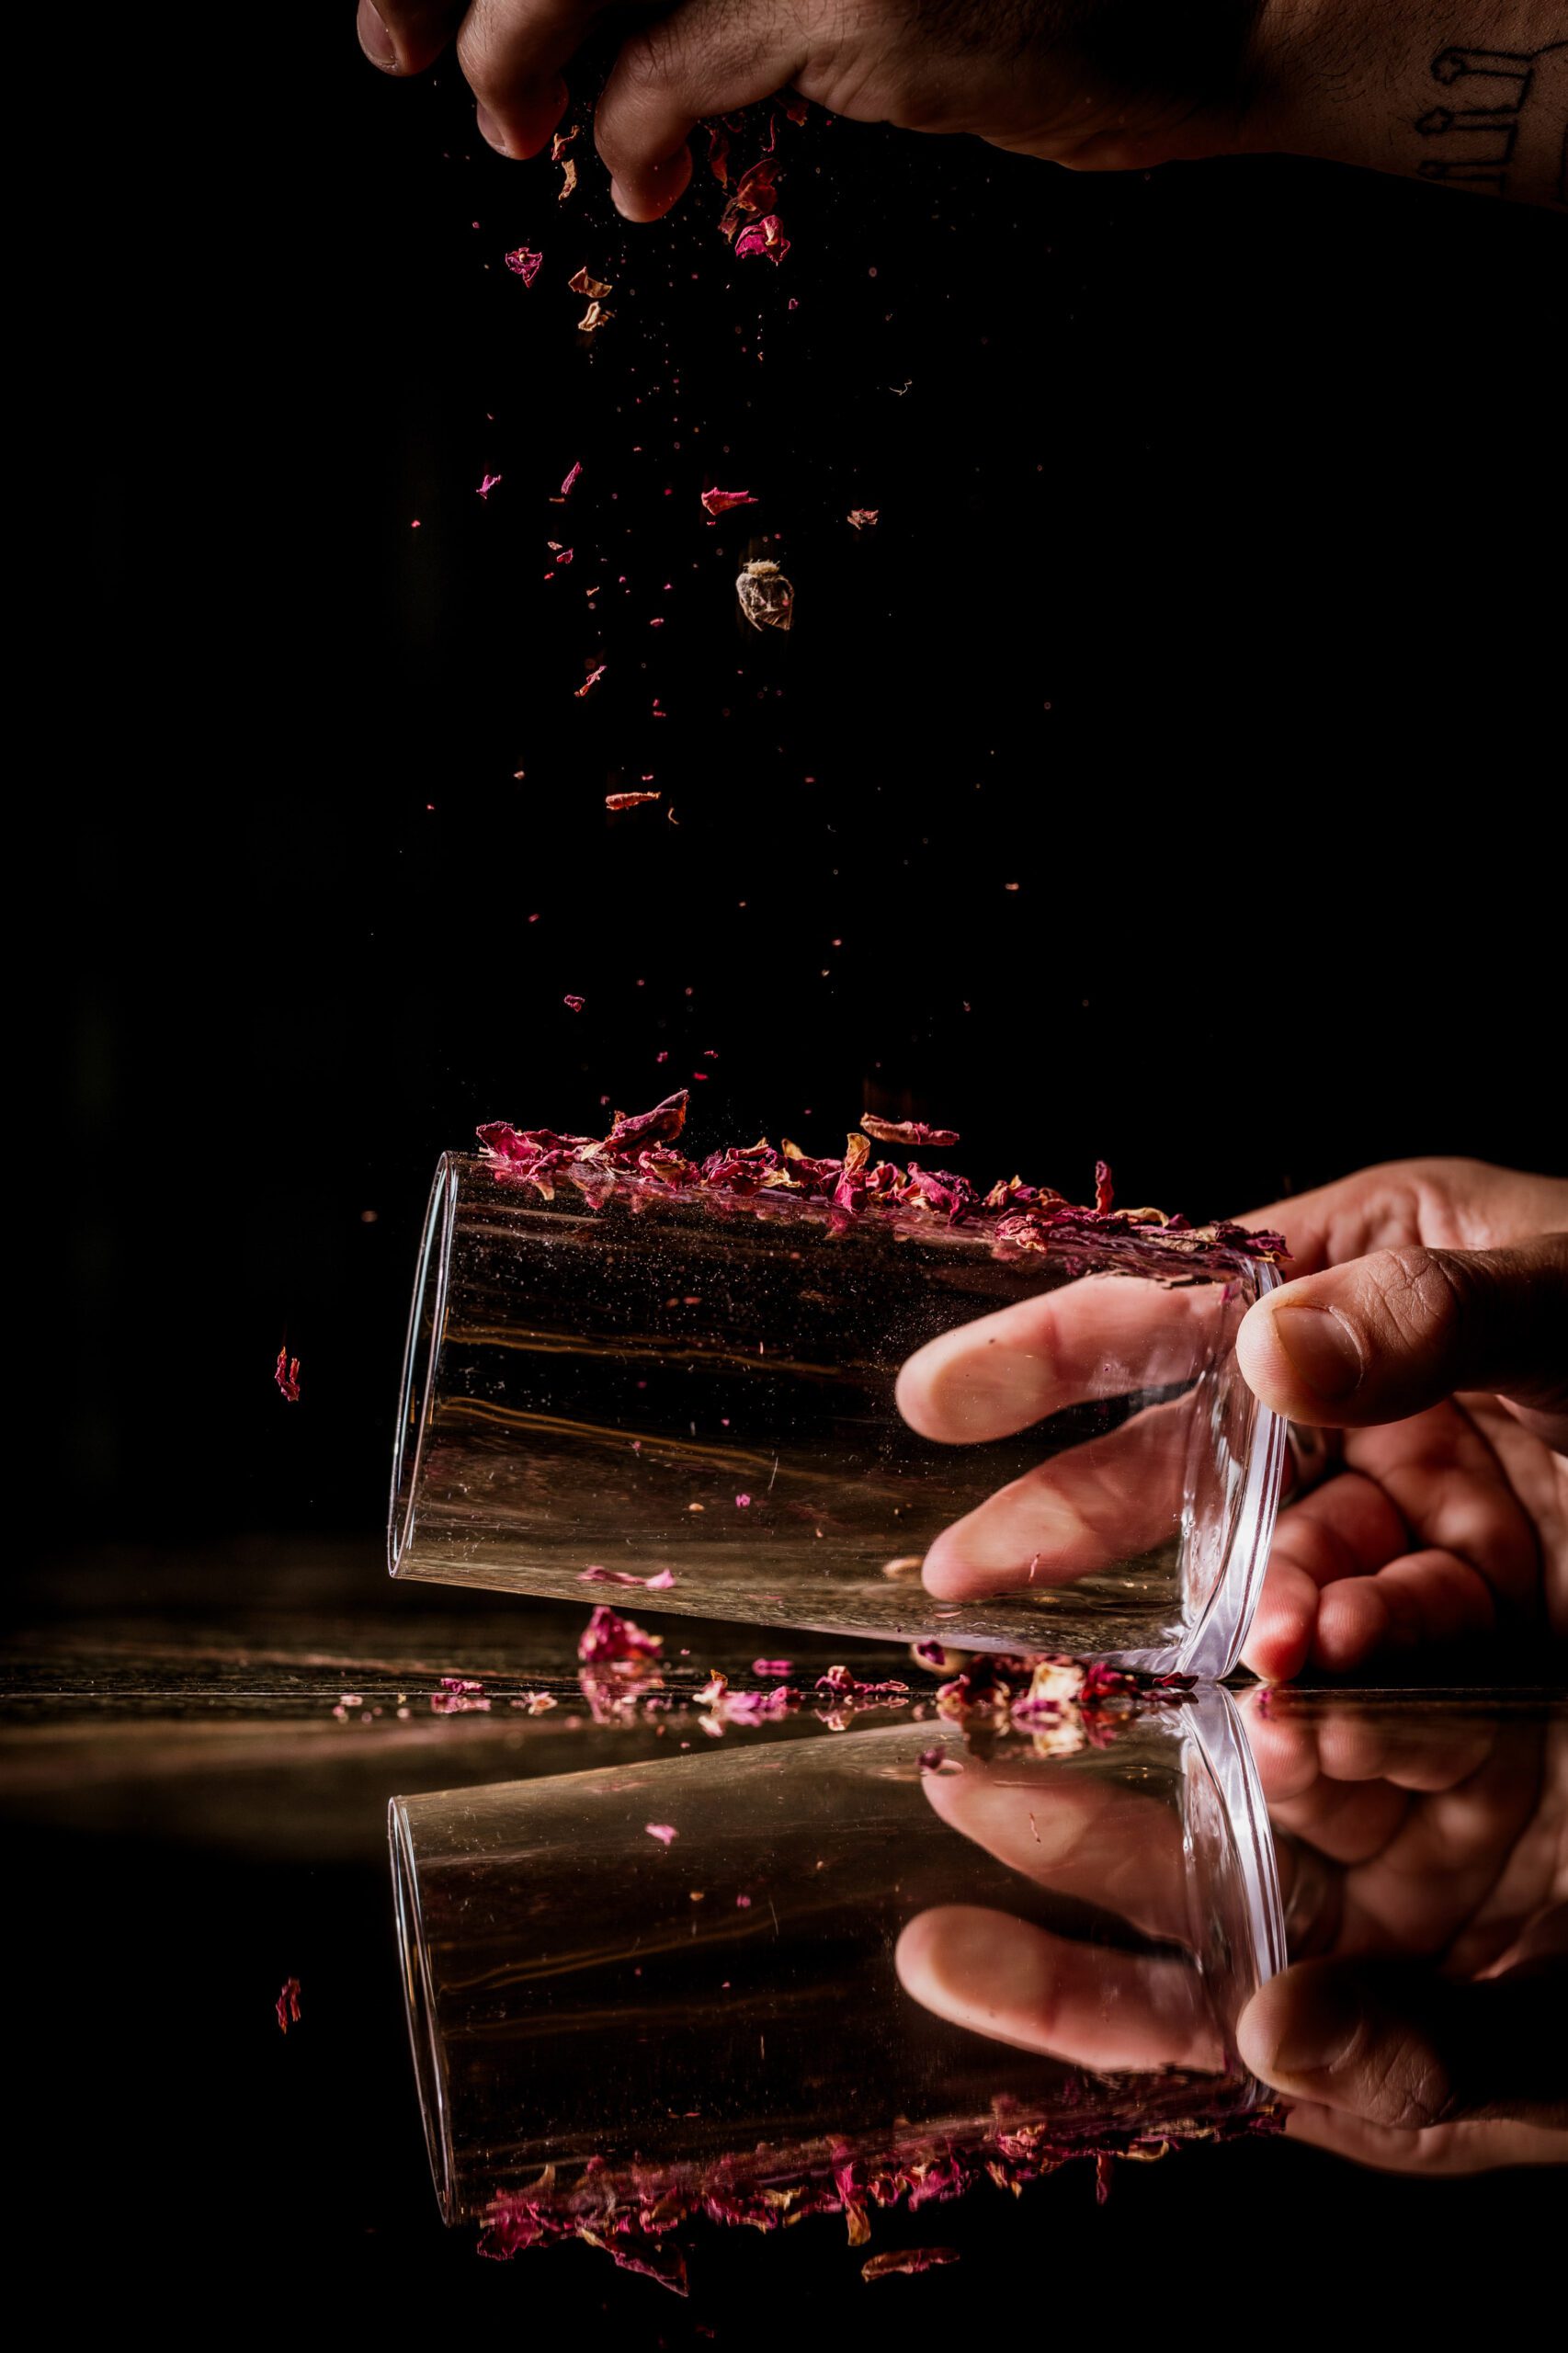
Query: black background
[1215, 603]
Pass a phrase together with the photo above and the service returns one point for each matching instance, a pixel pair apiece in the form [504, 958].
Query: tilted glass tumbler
[900, 1429]
[831, 1968]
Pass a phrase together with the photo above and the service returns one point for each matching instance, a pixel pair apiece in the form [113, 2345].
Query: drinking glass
[710, 1981]
[696, 1395]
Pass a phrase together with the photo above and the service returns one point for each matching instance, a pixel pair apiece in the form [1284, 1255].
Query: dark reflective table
[1005, 1964]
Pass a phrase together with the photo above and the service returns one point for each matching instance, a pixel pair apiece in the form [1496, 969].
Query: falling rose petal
[719, 502]
[795, 108]
[288, 2005]
[908, 1132]
[1104, 1193]
[767, 599]
[765, 236]
[566, 485]
[574, 1004]
[591, 289]
[772, 1665]
[662, 1831]
[560, 143]
[906, 2258]
[523, 263]
[286, 1373]
[757, 192]
[718, 153]
[864, 517]
[568, 180]
[742, 1503]
[487, 486]
[630, 799]
[591, 681]
[743, 1903]
[593, 318]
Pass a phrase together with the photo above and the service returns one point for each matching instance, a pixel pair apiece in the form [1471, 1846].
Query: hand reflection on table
[1021, 1983]
[1424, 1872]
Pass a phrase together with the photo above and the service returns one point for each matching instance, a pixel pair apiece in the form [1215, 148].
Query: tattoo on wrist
[1501, 123]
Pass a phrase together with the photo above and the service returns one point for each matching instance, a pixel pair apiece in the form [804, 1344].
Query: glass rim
[421, 1354]
[419, 2007]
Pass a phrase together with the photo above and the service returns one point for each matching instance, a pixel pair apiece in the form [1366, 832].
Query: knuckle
[1407, 2085]
[647, 63]
[478, 60]
[1425, 1294]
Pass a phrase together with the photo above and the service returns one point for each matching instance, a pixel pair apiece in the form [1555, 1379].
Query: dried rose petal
[568, 180]
[591, 289]
[487, 486]
[907, 1131]
[630, 799]
[718, 153]
[566, 485]
[767, 599]
[288, 2005]
[757, 192]
[771, 1666]
[609, 1637]
[906, 2258]
[574, 1004]
[593, 318]
[765, 237]
[1012, 1217]
[591, 681]
[562, 140]
[523, 263]
[286, 1373]
[794, 107]
[661, 1125]
[864, 518]
[662, 1831]
[661, 1583]
[1104, 1195]
[719, 502]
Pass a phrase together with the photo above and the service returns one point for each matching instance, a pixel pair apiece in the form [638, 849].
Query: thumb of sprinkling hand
[1393, 2043]
[1380, 1339]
